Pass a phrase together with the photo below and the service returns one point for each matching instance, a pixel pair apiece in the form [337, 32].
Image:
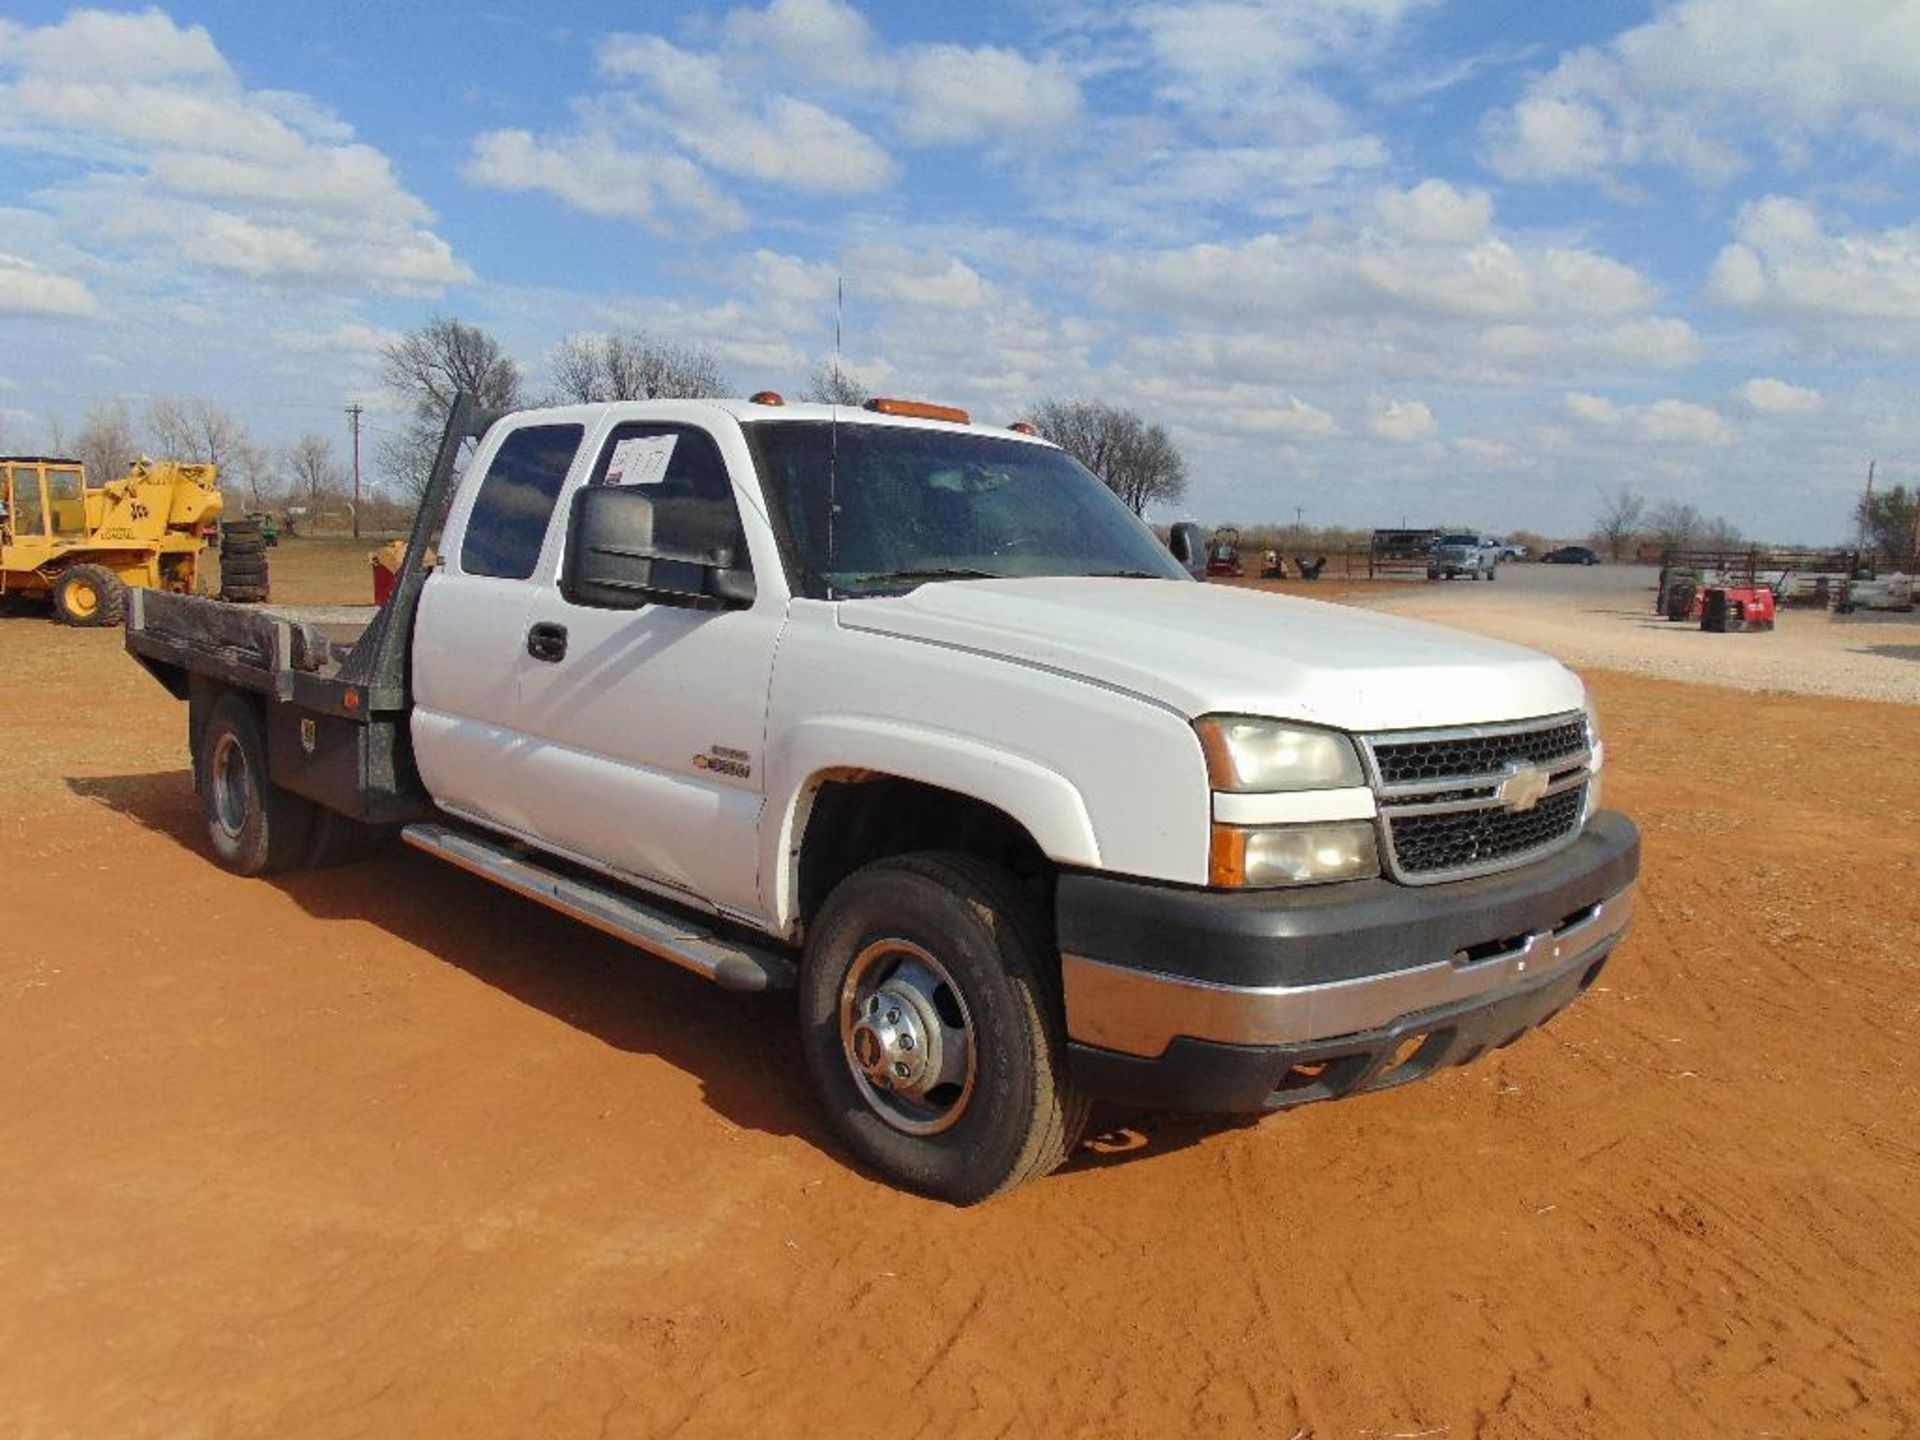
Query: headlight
[1248, 754]
[1254, 856]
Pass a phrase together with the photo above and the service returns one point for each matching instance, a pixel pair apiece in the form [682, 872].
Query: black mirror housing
[1189, 546]
[617, 559]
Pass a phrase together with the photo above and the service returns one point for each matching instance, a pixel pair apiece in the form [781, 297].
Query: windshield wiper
[1125, 575]
[950, 572]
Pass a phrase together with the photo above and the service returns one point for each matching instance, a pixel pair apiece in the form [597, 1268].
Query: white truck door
[643, 729]
[470, 632]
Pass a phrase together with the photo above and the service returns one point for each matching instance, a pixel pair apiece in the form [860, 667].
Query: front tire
[89, 596]
[253, 826]
[932, 1027]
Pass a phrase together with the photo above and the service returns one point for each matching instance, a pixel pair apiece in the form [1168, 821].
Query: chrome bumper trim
[1139, 1012]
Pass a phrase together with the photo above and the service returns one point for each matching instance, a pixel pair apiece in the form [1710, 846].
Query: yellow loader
[82, 545]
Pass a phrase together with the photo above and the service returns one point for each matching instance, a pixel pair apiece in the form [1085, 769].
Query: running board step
[660, 931]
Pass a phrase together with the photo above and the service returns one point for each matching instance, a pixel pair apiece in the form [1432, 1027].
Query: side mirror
[622, 554]
[1189, 546]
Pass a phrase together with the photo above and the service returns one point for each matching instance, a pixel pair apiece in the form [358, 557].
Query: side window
[510, 514]
[683, 474]
[28, 516]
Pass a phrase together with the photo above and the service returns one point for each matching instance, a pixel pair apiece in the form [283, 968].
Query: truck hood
[1209, 649]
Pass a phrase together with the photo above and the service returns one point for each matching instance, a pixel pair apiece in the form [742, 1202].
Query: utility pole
[354, 412]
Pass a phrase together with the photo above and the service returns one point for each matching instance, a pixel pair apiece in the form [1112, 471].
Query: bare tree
[106, 444]
[426, 368]
[1890, 522]
[1720, 533]
[1674, 526]
[830, 385]
[316, 478]
[194, 429]
[1619, 519]
[1135, 459]
[633, 366]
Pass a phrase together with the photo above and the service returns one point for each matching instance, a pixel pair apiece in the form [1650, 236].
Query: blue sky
[1373, 258]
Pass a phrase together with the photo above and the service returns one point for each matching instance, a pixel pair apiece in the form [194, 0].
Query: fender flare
[1041, 800]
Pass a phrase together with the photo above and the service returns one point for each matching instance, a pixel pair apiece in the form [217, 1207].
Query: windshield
[878, 509]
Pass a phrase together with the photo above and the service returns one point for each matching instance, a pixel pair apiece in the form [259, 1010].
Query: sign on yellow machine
[83, 545]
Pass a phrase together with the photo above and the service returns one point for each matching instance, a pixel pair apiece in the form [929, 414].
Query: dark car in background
[1570, 555]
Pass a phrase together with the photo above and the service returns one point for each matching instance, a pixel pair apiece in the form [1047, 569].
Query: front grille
[1402, 762]
[1445, 806]
[1481, 839]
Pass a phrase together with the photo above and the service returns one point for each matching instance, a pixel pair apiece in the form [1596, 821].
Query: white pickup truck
[912, 715]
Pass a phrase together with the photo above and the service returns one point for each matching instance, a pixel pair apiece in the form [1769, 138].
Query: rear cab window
[511, 511]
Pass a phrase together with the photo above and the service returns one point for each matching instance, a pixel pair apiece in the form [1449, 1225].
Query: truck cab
[1455, 556]
[914, 716]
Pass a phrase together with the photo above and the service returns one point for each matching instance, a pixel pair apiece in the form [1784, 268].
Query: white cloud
[1777, 397]
[261, 183]
[794, 96]
[1785, 264]
[698, 103]
[596, 174]
[954, 94]
[1484, 451]
[354, 337]
[94, 42]
[28, 289]
[1242, 64]
[1684, 423]
[934, 279]
[1434, 211]
[828, 39]
[1290, 415]
[1595, 409]
[1664, 422]
[1704, 81]
[1401, 421]
[1326, 298]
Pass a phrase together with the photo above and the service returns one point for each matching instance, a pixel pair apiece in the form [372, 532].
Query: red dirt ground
[383, 1151]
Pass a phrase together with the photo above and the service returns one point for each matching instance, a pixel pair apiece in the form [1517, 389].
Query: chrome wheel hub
[232, 788]
[908, 1037]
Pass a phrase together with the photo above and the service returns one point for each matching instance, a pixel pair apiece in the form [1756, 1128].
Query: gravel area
[1603, 618]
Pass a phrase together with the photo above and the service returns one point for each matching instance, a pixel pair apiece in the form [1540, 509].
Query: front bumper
[1250, 1001]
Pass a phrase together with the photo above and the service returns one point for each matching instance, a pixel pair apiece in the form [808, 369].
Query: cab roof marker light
[1023, 427]
[766, 397]
[918, 410]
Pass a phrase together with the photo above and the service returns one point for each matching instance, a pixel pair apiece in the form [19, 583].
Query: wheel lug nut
[900, 1068]
[893, 1017]
[906, 1042]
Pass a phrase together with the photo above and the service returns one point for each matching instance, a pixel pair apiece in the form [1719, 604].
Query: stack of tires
[243, 562]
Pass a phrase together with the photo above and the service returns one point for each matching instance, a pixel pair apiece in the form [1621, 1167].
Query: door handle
[547, 642]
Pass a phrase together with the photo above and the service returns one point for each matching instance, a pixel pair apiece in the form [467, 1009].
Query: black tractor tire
[950, 952]
[243, 594]
[338, 840]
[243, 571]
[89, 596]
[253, 826]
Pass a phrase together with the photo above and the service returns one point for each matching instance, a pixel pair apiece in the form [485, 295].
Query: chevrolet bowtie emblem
[1523, 787]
